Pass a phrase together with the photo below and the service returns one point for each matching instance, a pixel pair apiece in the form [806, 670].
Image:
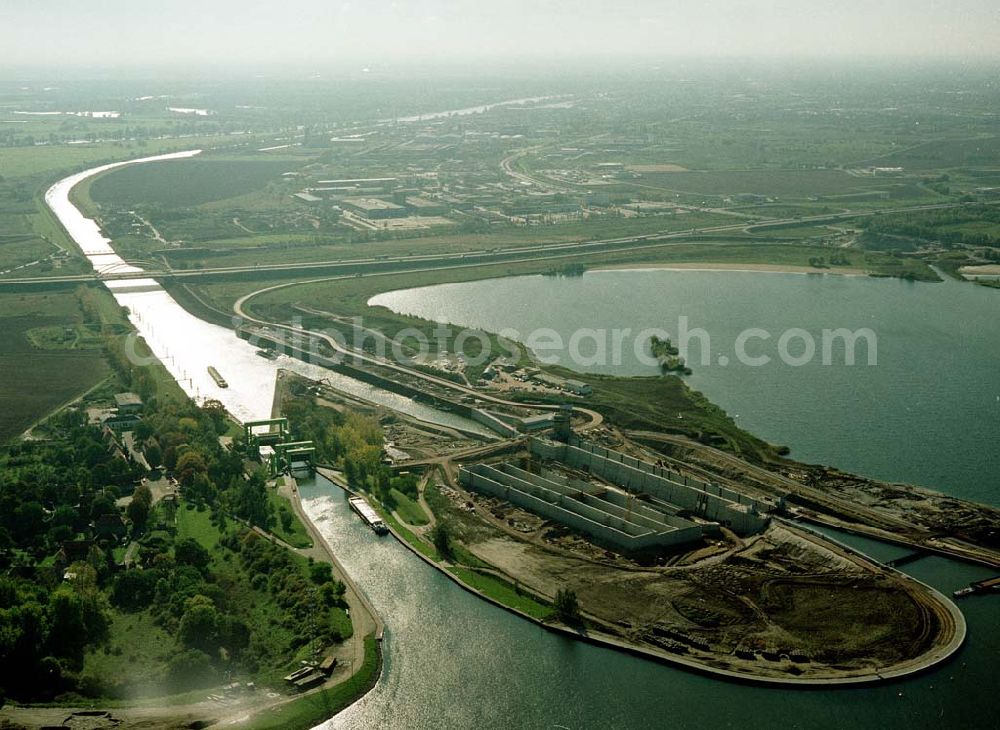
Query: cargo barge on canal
[992, 585]
[369, 515]
[217, 377]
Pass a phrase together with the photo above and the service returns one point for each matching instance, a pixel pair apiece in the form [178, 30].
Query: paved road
[432, 262]
[240, 308]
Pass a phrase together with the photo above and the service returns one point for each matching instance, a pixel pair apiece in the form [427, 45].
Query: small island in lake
[668, 356]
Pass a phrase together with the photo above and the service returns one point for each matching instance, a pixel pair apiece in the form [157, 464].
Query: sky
[232, 32]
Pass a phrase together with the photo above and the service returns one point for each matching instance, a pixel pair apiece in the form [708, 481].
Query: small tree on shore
[442, 540]
[567, 608]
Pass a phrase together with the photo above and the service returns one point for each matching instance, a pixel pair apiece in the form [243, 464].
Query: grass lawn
[502, 591]
[197, 525]
[408, 509]
[134, 663]
[296, 535]
[424, 548]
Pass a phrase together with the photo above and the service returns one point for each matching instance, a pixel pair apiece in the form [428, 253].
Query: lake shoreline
[939, 653]
[747, 268]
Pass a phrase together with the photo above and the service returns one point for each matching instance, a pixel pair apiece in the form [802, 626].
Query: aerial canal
[453, 661]
[189, 347]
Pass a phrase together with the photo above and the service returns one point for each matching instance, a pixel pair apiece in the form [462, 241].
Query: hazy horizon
[116, 33]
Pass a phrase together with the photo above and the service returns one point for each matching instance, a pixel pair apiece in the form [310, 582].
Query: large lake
[927, 412]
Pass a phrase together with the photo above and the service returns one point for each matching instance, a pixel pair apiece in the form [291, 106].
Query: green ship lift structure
[274, 433]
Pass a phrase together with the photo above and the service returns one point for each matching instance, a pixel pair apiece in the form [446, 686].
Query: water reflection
[454, 661]
[187, 346]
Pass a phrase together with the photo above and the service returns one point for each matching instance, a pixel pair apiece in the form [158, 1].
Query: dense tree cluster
[53, 490]
[62, 581]
[352, 441]
[942, 226]
[44, 631]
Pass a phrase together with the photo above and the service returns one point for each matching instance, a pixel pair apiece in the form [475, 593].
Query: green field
[938, 154]
[37, 380]
[139, 652]
[197, 525]
[408, 509]
[21, 162]
[502, 592]
[421, 546]
[296, 535]
[185, 183]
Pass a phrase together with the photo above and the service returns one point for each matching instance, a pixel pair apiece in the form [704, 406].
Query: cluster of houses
[124, 416]
[116, 423]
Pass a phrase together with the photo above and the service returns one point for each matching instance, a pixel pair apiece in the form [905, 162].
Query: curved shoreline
[744, 268]
[920, 664]
[908, 668]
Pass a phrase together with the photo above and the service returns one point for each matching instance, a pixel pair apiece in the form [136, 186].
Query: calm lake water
[927, 413]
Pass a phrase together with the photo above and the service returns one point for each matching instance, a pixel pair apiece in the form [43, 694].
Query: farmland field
[17, 250]
[37, 380]
[184, 183]
[50, 160]
[941, 154]
[790, 183]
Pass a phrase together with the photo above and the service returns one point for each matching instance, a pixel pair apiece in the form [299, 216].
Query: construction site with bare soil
[663, 557]
[692, 571]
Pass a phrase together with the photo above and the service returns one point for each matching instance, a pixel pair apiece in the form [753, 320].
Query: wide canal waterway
[454, 661]
[188, 346]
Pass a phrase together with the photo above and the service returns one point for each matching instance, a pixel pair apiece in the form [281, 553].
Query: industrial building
[366, 181]
[577, 387]
[425, 207]
[374, 208]
[307, 198]
[128, 403]
[616, 499]
[538, 422]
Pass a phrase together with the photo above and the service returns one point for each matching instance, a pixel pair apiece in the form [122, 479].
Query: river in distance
[927, 412]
